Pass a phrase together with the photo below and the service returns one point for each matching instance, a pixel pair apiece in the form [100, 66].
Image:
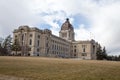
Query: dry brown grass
[37, 68]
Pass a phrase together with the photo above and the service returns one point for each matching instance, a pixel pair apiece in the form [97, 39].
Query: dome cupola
[67, 25]
[67, 31]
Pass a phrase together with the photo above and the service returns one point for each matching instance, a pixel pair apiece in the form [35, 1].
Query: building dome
[67, 25]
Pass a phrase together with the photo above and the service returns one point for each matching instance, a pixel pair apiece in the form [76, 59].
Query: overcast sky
[92, 19]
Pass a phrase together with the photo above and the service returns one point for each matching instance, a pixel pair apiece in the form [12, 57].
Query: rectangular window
[30, 42]
[38, 50]
[84, 54]
[15, 36]
[29, 49]
[39, 36]
[83, 49]
[75, 50]
[52, 46]
[22, 37]
[38, 42]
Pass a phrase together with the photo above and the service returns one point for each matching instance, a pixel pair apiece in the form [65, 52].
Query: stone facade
[36, 42]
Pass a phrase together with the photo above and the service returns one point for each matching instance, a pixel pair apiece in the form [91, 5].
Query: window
[74, 54]
[15, 36]
[83, 49]
[39, 36]
[30, 43]
[55, 47]
[38, 42]
[22, 37]
[75, 50]
[38, 50]
[29, 49]
[52, 46]
[30, 35]
[75, 46]
[84, 54]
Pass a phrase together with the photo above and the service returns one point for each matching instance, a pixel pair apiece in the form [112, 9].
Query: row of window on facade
[58, 42]
[58, 53]
[53, 52]
[75, 50]
[56, 47]
[38, 50]
[37, 36]
[38, 42]
[83, 54]
[23, 35]
[83, 46]
[53, 47]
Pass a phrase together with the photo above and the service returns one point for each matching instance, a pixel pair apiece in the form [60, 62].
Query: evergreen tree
[104, 54]
[109, 57]
[1, 40]
[16, 46]
[0, 49]
[119, 58]
[99, 53]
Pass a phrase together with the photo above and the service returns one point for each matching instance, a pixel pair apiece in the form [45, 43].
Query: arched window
[30, 43]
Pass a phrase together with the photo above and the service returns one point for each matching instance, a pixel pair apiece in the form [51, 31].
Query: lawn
[40, 68]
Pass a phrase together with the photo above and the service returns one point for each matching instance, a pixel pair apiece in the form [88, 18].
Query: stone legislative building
[37, 42]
